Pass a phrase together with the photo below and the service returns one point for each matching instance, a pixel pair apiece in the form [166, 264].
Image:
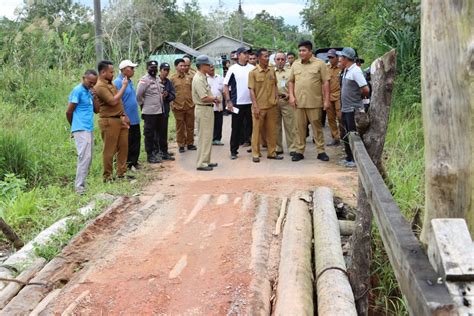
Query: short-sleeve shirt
[352, 80]
[282, 76]
[129, 99]
[200, 88]
[309, 78]
[237, 78]
[150, 95]
[182, 85]
[104, 97]
[83, 115]
[263, 83]
[334, 86]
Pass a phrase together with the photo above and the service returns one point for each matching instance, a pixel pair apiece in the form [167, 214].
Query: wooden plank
[451, 250]
[417, 279]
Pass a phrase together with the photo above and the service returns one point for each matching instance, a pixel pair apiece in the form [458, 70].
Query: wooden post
[383, 74]
[447, 80]
[99, 52]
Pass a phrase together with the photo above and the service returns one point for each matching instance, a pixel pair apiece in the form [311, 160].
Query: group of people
[264, 100]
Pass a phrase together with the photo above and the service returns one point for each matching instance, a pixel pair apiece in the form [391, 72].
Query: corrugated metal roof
[180, 46]
[219, 37]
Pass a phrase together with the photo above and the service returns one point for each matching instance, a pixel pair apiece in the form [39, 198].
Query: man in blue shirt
[80, 114]
[129, 99]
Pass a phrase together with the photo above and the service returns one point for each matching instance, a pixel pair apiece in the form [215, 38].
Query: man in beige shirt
[334, 111]
[308, 87]
[204, 101]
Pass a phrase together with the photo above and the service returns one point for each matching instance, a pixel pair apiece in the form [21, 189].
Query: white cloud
[7, 8]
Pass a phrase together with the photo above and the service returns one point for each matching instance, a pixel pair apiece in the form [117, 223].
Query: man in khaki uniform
[308, 86]
[113, 122]
[334, 111]
[264, 95]
[183, 107]
[286, 113]
[187, 66]
[204, 100]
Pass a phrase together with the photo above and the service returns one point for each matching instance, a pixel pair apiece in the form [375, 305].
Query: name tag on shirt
[282, 83]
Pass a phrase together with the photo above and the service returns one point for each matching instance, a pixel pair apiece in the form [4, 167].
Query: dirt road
[190, 252]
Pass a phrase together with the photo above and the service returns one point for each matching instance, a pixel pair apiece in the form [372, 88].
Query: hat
[164, 66]
[347, 52]
[241, 50]
[332, 52]
[151, 63]
[203, 60]
[126, 63]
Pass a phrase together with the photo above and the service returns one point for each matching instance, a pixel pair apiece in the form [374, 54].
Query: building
[169, 51]
[221, 46]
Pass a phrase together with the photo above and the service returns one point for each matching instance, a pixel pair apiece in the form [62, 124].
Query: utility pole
[241, 13]
[99, 54]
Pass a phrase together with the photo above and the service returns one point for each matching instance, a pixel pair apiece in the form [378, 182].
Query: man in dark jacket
[169, 94]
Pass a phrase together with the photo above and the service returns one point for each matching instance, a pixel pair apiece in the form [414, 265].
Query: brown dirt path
[192, 254]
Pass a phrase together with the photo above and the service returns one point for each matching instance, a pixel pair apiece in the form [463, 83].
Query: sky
[288, 9]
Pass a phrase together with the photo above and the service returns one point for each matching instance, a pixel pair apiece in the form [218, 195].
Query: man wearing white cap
[204, 101]
[129, 100]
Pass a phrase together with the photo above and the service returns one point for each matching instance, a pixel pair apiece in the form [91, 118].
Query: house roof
[180, 46]
[219, 37]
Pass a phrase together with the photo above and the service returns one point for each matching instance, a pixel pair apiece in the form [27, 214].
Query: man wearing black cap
[204, 101]
[238, 97]
[149, 97]
[169, 94]
[354, 86]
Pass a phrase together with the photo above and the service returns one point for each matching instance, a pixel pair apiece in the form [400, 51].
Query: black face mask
[152, 72]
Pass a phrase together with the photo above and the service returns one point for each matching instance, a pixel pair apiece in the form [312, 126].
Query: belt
[205, 104]
[115, 116]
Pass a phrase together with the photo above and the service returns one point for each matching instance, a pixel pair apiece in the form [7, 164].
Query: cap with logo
[165, 66]
[347, 52]
[203, 60]
[332, 53]
[241, 50]
[151, 63]
[127, 63]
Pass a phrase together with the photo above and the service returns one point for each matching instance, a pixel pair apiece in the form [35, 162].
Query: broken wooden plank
[417, 279]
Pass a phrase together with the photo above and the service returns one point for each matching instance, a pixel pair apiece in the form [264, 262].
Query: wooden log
[44, 303]
[448, 111]
[333, 288]
[416, 277]
[382, 73]
[260, 285]
[295, 278]
[346, 227]
[10, 234]
[12, 289]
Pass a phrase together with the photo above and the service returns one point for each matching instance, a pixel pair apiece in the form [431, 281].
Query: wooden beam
[448, 110]
[417, 279]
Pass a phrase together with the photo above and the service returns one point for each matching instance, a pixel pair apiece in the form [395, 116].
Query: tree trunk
[447, 74]
[382, 74]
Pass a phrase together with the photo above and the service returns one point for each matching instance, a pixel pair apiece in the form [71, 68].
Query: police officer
[204, 101]
[149, 97]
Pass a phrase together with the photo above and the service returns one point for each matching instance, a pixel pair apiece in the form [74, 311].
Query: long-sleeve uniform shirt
[149, 95]
[182, 85]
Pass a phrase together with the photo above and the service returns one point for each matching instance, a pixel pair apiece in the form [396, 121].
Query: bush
[16, 157]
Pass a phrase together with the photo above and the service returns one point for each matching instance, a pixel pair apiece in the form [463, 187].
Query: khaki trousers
[266, 121]
[286, 113]
[205, 125]
[334, 118]
[184, 127]
[115, 137]
[303, 117]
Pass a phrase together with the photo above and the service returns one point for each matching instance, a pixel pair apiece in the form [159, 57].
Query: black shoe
[335, 142]
[126, 177]
[167, 156]
[181, 149]
[154, 159]
[249, 150]
[212, 164]
[280, 152]
[277, 157]
[323, 157]
[233, 156]
[192, 147]
[170, 153]
[297, 157]
[292, 153]
[255, 159]
[207, 168]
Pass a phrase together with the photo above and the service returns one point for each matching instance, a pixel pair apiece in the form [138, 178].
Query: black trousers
[246, 132]
[218, 119]
[134, 139]
[155, 133]
[348, 120]
[245, 113]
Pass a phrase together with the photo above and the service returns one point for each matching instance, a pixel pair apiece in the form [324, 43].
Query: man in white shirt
[238, 97]
[216, 82]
